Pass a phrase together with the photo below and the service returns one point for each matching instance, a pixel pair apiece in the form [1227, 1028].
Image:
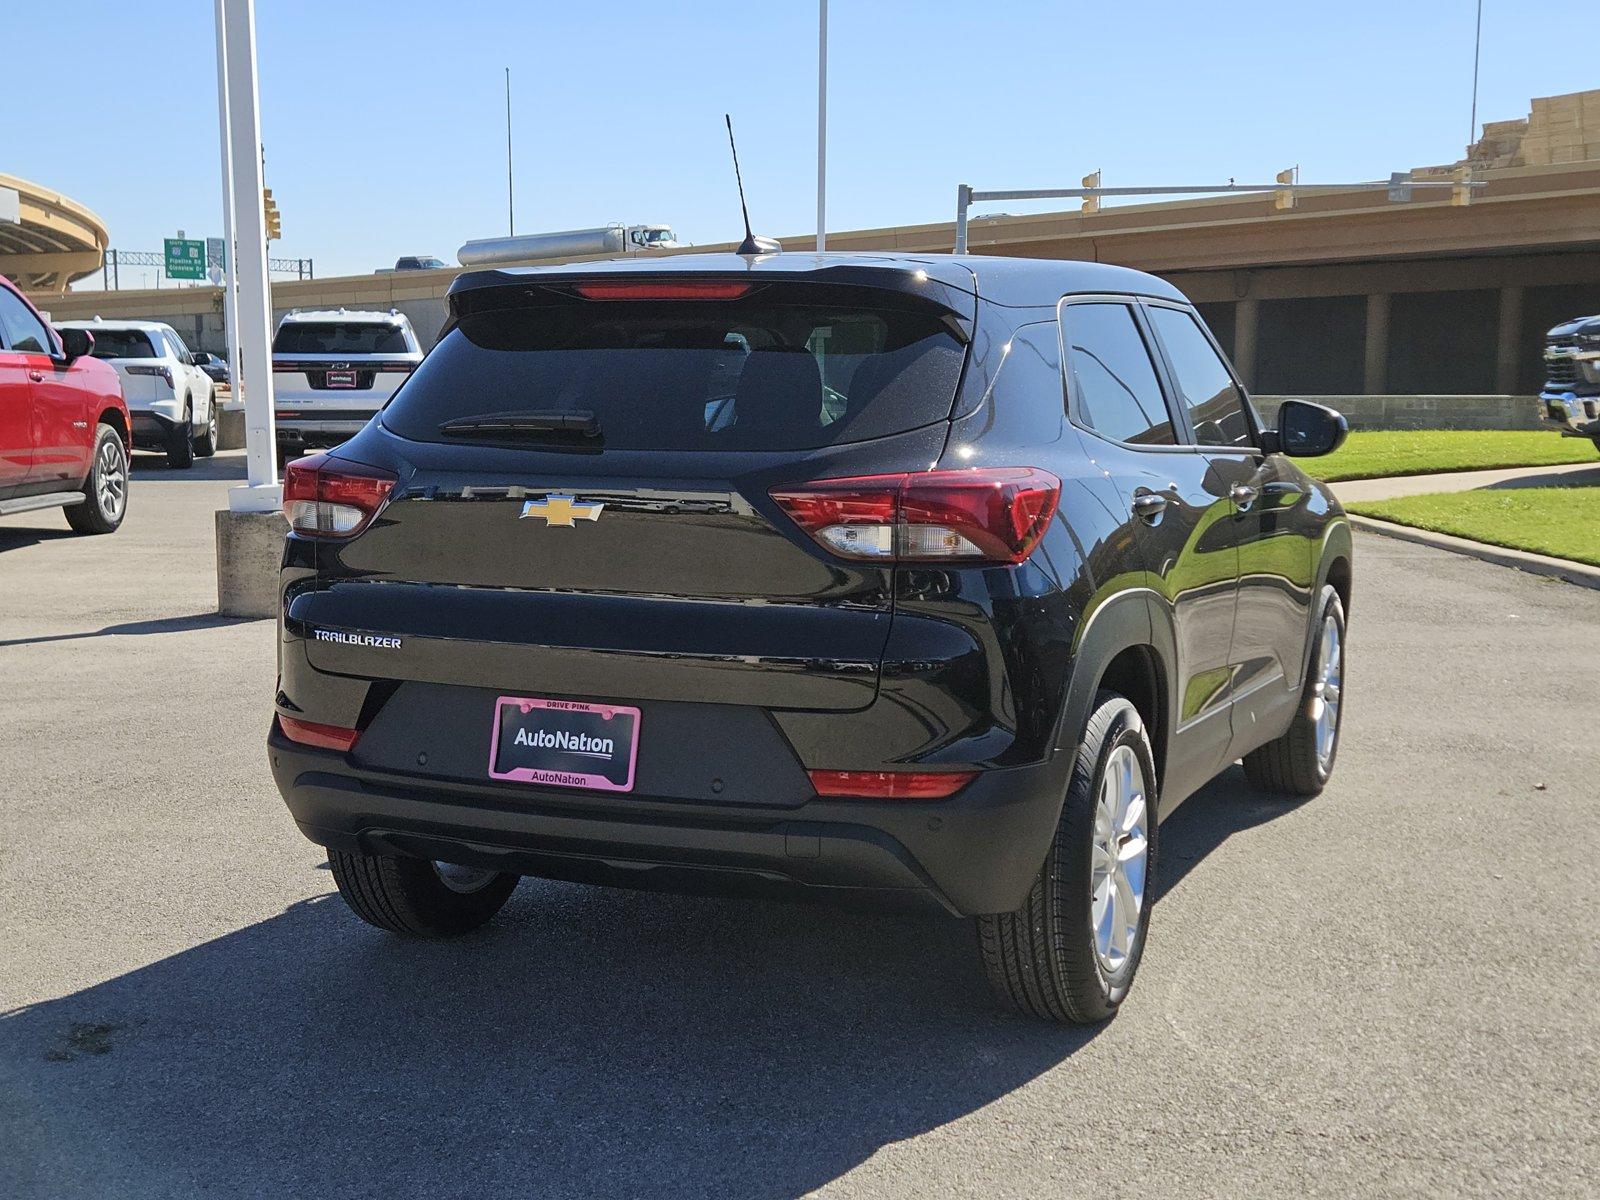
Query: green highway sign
[186, 258]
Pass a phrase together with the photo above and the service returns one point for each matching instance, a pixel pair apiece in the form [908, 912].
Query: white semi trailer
[573, 243]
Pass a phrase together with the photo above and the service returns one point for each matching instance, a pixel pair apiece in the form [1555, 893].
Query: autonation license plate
[341, 379]
[563, 743]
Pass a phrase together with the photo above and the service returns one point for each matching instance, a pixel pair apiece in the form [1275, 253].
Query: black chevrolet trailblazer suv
[890, 578]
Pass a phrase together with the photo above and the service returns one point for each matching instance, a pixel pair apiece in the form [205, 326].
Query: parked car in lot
[65, 433]
[173, 402]
[333, 369]
[1571, 394]
[964, 576]
[214, 365]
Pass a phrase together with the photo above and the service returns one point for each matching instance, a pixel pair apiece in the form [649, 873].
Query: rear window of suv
[340, 337]
[123, 343]
[756, 373]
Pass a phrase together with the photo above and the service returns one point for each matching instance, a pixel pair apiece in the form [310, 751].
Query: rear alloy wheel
[180, 445]
[1301, 761]
[419, 898]
[105, 491]
[1070, 953]
[206, 444]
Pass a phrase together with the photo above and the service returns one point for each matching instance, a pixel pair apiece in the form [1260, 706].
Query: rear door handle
[1148, 506]
[36, 376]
[1243, 495]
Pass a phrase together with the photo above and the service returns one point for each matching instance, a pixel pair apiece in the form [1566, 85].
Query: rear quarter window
[759, 373]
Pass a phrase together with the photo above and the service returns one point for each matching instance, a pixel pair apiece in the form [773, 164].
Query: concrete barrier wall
[1425, 412]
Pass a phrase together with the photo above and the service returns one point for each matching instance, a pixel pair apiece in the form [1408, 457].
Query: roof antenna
[751, 244]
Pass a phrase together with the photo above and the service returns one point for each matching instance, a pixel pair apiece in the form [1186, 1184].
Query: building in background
[1347, 293]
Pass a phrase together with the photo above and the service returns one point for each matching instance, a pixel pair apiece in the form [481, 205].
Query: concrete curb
[1536, 564]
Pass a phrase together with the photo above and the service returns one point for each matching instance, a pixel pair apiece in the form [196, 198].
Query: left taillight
[331, 497]
[985, 514]
[324, 737]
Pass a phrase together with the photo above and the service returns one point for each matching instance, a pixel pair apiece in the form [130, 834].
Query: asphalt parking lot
[1391, 989]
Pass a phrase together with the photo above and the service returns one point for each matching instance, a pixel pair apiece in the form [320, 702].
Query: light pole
[822, 125]
[230, 310]
[237, 72]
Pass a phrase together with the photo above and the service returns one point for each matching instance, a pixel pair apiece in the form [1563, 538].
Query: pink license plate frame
[575, 779]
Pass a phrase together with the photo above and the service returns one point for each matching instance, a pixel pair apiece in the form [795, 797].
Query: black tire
[206, 444]
[409, 896]
[1290, 765]
[1041, 959]
[180, 444]
[99, 512]
[1596, 441]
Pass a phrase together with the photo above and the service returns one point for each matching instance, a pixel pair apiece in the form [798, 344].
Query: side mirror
[1307, 430]
[75, 343]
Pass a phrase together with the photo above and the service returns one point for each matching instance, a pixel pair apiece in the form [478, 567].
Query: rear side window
[339, 337]
[1216, 407]
[123, 343]
[756, 373]
[1114, 387]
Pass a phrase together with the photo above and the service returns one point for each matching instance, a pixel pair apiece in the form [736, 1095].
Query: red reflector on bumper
[326, 737]
[890, 785]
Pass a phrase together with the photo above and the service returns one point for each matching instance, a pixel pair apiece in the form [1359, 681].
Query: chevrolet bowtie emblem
[558, 509]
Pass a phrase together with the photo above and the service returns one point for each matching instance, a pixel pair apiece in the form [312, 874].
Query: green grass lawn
[1564, 522]
[1381, 453]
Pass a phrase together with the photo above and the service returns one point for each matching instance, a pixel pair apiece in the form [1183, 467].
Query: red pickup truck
[64, 429]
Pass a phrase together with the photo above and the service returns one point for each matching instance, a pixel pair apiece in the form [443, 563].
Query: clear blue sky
[384, 129]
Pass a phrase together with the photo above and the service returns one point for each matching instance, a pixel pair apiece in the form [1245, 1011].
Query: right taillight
[331, 497]
[985, 514]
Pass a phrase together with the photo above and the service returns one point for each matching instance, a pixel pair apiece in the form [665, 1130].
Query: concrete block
[249, 554]
[230, 427]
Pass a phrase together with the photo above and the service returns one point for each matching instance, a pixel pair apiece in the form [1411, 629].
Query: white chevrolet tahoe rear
[333, 369]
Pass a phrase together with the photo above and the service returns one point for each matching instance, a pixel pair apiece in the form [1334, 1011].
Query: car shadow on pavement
[589, 1042]
[1587, 476]
[135, 628]
[1225, 806]
[153, 468]
[17, 537]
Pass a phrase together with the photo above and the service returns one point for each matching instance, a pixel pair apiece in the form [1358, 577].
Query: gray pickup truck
[1571, 395]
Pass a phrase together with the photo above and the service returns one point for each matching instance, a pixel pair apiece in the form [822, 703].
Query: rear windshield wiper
[527, 423]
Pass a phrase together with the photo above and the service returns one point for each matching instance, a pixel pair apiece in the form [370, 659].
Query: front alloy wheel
[1300, 762]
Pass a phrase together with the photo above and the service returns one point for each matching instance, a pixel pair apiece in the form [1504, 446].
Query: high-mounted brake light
[890, 785]
[331, 497]
[324, 737]
[683, 289]
[986, 514]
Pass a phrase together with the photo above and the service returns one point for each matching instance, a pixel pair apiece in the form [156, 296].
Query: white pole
[822, 125]
[230, 308]
[262, 493]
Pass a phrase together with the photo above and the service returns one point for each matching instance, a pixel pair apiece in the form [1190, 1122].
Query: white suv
[333, 369]
[173, 402]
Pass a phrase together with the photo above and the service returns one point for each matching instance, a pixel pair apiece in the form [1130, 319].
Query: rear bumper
[151, 430]
[976, 852]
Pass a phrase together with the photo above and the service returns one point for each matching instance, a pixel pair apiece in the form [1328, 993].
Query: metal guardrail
[302, 268]
[1399, 187]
